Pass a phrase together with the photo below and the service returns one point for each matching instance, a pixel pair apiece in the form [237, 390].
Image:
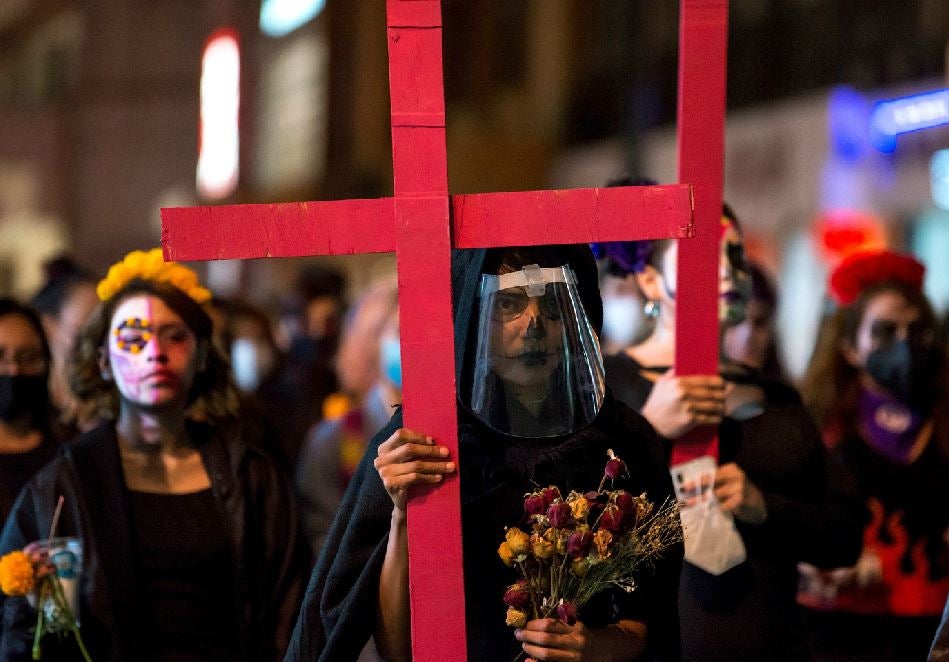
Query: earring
[651, 309]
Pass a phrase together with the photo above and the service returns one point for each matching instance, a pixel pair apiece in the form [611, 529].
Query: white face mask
[622, 318]
[250, 362]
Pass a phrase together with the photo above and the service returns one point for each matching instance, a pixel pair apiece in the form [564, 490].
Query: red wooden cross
[422, 222]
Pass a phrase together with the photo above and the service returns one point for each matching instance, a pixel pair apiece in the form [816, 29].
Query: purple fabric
[630, 256]
[889, 426]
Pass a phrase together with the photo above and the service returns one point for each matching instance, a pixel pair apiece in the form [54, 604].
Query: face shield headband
[537, 369]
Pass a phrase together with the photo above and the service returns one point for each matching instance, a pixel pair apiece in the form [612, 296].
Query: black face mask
[906, 370]
[22, 396]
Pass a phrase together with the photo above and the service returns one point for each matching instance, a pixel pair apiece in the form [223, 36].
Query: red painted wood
[703, 39]
[420, 171]
[293, 229]
[571, 216]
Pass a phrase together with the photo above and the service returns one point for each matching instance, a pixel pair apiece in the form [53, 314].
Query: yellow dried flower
[557, 537]
[16, 574]
[151, 265]
[602, 540]
[542, 549]
[515, 618]
[504, 551]
[519, 542]
[580, 509]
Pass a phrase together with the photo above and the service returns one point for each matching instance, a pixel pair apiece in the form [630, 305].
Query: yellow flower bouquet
[578, 545]
[38, 572]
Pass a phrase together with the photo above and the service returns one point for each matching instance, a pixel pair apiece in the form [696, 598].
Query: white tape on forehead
[532, 278]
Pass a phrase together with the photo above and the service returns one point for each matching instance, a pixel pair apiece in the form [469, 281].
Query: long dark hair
[831, 386]
[213, 396]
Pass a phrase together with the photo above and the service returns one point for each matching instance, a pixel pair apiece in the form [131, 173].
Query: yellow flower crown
[151, 265]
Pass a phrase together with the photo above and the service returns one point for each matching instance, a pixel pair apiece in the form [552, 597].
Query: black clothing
[17, 468]
[339, 611]
[814, 515]
[255, 506]
[186, 570]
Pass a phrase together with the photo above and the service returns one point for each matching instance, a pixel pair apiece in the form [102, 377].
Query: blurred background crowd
[837, 141]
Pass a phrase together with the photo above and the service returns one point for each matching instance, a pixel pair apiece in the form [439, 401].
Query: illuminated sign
[218, 138]
[894, 117]
[280, 17]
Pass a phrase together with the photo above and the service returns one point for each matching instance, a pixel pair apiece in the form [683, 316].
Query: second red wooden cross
[422, 222]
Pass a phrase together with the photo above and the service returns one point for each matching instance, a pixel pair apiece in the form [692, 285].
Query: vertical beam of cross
[703, 41]
[423, 255]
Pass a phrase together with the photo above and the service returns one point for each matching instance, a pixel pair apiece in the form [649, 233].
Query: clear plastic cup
[65, 554]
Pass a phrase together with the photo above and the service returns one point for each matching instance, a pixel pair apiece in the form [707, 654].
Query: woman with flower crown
[878, 384]
[190, 542]
[533, 411]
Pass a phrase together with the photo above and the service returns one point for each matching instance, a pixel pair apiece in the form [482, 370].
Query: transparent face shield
[537, 371]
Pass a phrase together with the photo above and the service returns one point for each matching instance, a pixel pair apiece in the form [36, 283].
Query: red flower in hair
[861, 270]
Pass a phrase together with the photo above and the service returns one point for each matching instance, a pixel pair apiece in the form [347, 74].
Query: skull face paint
[152, 353]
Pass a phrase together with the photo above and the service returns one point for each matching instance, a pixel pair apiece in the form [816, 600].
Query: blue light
[280, 17]
[848, 114]
[895, 117]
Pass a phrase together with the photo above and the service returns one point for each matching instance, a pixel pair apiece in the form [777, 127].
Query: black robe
[814, 514]
[259, 516]
[340, 607]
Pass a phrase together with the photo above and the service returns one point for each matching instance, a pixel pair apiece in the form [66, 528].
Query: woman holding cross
[789, 500]
[533, 411]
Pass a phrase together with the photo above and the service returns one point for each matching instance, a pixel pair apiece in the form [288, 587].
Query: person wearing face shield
[533, 410]
[786, 498]
[877, 384]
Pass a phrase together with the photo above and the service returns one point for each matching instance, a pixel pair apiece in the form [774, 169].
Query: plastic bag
[712, 542]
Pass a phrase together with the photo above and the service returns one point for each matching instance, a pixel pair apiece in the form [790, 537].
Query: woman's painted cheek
[129, 370]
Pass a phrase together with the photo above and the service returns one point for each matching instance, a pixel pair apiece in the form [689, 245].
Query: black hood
[468, 265]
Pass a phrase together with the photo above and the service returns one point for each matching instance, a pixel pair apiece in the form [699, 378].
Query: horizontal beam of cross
[346, 227]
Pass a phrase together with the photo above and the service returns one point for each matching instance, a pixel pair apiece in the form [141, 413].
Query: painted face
[734, 282]
[152, 353]
[529, 332]
[888, 318]
[748, 341]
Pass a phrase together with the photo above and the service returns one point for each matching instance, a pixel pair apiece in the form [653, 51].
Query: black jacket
[260, 518]
[339, 610]
[749, 613]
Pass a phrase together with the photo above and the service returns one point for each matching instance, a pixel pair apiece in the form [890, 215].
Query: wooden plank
[571, 216]
[703, 40]
[293, 229]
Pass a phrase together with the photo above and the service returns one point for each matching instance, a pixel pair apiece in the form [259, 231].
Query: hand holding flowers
[34, 574]
[574, 548]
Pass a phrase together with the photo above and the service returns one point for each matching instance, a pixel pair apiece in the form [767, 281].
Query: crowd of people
[238, 478]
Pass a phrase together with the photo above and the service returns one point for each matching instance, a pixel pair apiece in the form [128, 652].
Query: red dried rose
[559, 515]
[535, 504]
[625, 502]
[615, 467]
[578, 544]
[550, 494]
[611, 519]
[517, 595]
[567, 613]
